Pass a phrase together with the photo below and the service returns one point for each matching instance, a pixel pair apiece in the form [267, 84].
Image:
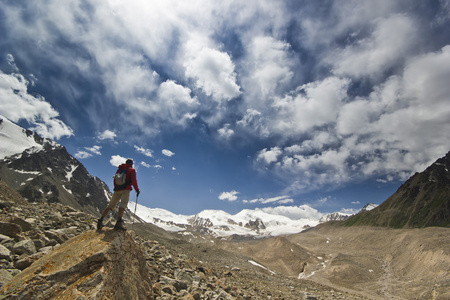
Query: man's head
[129, 162]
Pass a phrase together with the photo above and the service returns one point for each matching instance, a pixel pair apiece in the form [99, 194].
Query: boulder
[184, 275]
[24, 247]
[25, 225]
[4, 238]
[177, 284]
[94, 265]
[9, 229]
[5, 204]
[5, 253]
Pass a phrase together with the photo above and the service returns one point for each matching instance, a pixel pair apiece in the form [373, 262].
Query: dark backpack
[120, 178]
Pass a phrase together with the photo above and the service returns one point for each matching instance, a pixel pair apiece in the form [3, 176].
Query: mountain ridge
[422, 201]
[42, 170]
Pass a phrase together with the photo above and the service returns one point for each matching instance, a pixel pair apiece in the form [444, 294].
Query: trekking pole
[135, 206]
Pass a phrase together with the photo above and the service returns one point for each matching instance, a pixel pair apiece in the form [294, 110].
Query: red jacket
[131, 178]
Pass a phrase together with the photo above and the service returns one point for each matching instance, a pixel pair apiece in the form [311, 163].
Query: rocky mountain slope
[43, 171]
[49, 250]
[422, 201]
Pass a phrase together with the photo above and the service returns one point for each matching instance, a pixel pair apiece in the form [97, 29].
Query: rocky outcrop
[197, 221]
[256, 225]
[30, 230]
[94, 265]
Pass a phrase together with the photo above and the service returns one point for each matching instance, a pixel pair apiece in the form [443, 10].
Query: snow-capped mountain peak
[368, 206]
[336, 216]
[15, 139]
[250, 223]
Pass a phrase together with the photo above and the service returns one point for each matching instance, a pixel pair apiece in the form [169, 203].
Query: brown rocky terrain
[52, 251]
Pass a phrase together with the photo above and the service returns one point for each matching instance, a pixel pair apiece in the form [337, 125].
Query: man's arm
[134, 181]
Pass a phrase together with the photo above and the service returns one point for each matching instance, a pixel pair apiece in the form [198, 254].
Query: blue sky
[242, 104]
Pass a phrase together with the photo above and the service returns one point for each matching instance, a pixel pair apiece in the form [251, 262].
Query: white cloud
[146, 152]
[144, 164]
[34, 109]
[388, 45]
[255, 121]
[167, 153]
[398, 129]
[88, 152]
[94, 149]
[315, 104]
[83, 154]
[278, 200]
[117, 160]
[269, 156]
[51, 128]
[294, 212]
[212, 70]
[349, 211]
[12, 62]
[229, 196]
[107, 135]
[269, 67]
[175, 103]
[225, 132]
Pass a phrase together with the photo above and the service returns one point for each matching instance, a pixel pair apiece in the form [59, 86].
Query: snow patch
[27, 172]
[67, 190]
[69, 173]
[108, 197]
[261, 266]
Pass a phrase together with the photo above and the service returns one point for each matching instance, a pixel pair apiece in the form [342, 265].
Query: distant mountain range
[422, 201]
[247, 223]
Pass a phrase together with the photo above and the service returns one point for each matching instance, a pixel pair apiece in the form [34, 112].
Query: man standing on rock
[122, 193]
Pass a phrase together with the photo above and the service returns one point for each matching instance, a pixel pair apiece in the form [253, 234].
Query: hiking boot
[119, 225]
[99, 224]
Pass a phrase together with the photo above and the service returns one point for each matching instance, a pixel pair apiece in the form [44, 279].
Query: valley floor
[380, 262]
